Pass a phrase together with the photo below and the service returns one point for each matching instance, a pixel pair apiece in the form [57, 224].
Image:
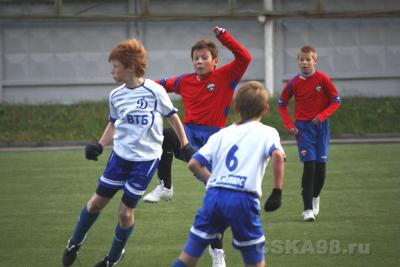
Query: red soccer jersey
[315, 96]
[207, 101]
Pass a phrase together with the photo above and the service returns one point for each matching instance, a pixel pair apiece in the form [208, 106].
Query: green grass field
[42, 193]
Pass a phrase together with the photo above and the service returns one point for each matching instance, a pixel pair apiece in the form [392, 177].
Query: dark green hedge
[86, 121]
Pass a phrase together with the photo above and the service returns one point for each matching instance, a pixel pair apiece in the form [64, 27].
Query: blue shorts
[131, 176]
[313, 141]
[223, 208]
[198, 134]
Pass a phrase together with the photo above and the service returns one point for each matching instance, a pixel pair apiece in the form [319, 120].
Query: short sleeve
[165, 106]
[273, 142]
[113, 114]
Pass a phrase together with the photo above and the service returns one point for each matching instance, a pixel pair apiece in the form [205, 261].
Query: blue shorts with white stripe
[223, 208]
[131, 176]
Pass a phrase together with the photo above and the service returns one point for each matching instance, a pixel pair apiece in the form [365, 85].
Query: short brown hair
[307, 49]
[251, 101]
[206, 44]
[131, 53]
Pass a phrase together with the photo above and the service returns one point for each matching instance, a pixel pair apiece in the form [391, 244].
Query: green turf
[42, 193]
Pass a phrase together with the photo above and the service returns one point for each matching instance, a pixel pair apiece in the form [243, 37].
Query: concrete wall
[362, 56]
[66, 61]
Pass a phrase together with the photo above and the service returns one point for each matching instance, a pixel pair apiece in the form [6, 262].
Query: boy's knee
[96, 204]
[93, 208]
[126, 217]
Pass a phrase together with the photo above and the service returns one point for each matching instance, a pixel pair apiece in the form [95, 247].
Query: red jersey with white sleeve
[315, 96]
[207, 101]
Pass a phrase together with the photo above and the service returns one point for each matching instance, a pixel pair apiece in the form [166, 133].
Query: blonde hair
[308, 49]
[130, 53]
[251, 101]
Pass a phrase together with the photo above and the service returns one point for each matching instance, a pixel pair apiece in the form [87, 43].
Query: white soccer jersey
[137, 117]
[239, 155]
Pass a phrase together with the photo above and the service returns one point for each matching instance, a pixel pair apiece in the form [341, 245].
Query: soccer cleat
[106, 263]
[71, 252]
[315, 205]
[308, 216]
[217, 257]
[159, 193]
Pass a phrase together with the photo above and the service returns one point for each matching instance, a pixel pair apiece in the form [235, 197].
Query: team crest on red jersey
[318, 88]
[211, 87]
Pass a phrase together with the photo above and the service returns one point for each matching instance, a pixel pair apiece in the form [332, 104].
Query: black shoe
[70, 253]
[106, 263]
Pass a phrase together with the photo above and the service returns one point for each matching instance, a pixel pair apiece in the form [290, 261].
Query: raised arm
[240, 53]
[242, 59]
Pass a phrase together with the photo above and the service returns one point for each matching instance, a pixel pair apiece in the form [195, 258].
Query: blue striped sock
[120, 238]
[83, 225]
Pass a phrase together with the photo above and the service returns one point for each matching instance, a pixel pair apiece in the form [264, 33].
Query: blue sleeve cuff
[171, 113]
[202, 160]
[272, 149]
[111, 119]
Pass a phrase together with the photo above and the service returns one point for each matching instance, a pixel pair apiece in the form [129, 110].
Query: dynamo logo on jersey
[142, 103]
[235, 181]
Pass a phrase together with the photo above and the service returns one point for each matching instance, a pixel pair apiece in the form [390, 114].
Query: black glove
[188, 152]
[92, 151]
[274, 200]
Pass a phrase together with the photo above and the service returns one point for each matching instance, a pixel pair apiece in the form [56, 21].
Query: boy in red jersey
[206, 95]
[316, 98]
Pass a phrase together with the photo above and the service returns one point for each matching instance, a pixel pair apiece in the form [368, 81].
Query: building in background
[55, 51]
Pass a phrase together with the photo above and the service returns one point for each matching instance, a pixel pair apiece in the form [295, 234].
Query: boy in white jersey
[135, 127]
[239, 155]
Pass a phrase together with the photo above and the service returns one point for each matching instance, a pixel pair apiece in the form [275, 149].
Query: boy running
[135, 126]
